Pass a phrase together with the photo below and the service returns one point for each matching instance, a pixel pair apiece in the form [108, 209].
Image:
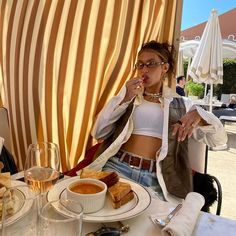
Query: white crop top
[148, 119]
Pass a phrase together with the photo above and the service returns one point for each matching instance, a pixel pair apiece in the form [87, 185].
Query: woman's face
[151, 68]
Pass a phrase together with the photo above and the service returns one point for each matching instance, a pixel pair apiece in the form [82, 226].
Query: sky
[197, 11]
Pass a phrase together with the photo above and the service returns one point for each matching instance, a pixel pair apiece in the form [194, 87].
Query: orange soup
[86, 188]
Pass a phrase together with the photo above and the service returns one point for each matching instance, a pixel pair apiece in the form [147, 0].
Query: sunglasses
[149, 64]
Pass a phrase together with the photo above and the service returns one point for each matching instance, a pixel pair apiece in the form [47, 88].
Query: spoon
[164, 222]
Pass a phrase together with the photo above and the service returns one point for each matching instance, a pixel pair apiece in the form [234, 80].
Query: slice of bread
[5, 179]
[119, 190]
[109, 178]
[127, 198]
[90, 173]
[5, 182]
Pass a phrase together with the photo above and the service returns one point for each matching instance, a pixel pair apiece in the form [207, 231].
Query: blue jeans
[143, 177]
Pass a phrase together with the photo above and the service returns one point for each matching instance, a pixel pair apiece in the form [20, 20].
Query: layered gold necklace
[153, 95]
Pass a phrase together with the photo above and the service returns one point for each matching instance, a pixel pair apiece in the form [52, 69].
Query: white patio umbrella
[188, 48]
[207, 63]
[180, 65]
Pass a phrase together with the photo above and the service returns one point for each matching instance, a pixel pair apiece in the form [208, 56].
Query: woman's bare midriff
[142, 145]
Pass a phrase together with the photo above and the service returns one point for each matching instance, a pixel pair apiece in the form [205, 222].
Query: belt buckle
[136, 167]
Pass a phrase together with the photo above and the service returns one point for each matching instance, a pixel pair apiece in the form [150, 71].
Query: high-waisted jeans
[143, 177]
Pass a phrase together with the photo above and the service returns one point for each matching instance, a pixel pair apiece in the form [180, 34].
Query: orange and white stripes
[61, 60]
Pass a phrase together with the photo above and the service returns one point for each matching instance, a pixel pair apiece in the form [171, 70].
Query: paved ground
[222, 164]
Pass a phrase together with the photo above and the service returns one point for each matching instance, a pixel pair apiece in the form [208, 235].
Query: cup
[19, 212]
[61, 217]
[91, 193]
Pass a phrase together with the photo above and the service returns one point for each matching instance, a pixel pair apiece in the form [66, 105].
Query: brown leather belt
[137, 162]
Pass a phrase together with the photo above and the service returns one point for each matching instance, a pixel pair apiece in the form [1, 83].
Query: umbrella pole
[205, 92]
[211, 95]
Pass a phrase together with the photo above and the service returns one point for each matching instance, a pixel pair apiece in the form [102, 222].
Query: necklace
[153, 95]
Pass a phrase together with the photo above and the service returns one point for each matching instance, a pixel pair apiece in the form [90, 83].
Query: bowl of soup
[91, 193]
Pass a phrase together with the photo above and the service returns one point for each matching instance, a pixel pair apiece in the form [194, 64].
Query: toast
[109, 178]
[5, 183]
[128, 197]
[119, 190]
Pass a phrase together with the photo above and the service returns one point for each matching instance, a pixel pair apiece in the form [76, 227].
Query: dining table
[207, 224]
[204, 103]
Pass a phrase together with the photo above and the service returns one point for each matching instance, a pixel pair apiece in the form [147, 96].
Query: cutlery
[110, 231]
[164, 222]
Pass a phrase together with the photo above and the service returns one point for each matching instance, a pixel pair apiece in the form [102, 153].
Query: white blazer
[212, 134]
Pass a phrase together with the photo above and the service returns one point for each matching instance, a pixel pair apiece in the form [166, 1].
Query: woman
[139, 129]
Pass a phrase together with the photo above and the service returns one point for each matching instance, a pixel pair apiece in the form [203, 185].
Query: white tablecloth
[207, 224]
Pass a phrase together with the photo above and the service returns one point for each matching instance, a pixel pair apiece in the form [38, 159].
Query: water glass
[19, 212]
[60, 218]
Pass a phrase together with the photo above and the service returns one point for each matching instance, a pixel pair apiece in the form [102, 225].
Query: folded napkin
[182, 224]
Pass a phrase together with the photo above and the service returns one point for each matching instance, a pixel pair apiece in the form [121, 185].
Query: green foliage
[194, 89]
[229, 78]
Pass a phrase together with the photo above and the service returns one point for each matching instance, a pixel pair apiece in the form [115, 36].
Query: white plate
[20, 210]
[139, 204]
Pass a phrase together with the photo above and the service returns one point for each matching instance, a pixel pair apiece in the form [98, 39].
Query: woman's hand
[185, 126]
[133, 87]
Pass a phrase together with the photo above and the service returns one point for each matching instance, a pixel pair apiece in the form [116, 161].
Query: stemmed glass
[42, 166]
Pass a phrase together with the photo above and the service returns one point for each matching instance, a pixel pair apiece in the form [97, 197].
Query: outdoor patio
[222, 164]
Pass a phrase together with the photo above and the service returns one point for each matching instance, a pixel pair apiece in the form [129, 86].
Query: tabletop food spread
[139, 213]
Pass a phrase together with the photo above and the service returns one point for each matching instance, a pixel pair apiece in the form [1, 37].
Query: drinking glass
[61, 217]
[19, 212]
[42, 166]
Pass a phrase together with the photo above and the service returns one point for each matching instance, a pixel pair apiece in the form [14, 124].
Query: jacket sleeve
[108, 116]
[212, 134]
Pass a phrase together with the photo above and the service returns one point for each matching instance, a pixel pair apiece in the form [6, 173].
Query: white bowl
[79, 190]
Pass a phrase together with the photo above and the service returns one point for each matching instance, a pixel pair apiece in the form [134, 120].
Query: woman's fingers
[182, 131]
[133, 87]
[185, 126]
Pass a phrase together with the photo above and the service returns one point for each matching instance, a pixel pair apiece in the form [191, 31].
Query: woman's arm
[108, 116]
[203, 125]
[116, 107]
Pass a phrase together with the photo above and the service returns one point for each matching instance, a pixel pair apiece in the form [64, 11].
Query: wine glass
[41, 170]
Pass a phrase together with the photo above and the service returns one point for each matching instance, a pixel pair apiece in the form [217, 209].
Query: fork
[164, 222]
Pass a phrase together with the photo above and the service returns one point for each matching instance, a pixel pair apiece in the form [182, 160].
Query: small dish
[20, 210]
[91, 193]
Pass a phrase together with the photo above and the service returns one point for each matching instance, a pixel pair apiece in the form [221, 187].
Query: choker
[153, 95]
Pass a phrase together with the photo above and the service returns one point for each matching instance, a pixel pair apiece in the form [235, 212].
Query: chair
[216, 183]
[5, 155]
[225, 98]
[224, 119]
